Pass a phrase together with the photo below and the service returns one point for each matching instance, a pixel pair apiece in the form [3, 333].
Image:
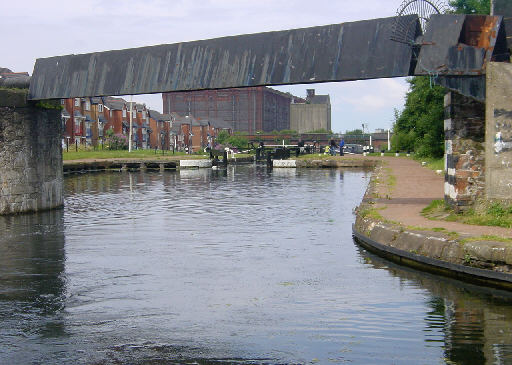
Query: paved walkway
[414, 187]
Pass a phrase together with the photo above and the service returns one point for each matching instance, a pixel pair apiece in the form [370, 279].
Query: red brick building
[248, 109]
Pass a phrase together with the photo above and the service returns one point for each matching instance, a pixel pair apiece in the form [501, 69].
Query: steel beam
[340, 52]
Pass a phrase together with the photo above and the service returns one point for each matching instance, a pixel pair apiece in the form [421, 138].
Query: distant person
[332, 148]
[342, 144]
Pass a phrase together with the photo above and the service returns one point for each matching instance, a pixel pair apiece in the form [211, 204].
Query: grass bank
[494, 215]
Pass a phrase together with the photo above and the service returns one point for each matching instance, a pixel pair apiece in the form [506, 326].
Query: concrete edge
[467, 273]
[486, 263]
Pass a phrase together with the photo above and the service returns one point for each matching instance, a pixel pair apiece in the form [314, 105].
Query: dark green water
[243, 266]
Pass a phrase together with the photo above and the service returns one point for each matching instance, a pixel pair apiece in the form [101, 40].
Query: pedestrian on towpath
[342, 144]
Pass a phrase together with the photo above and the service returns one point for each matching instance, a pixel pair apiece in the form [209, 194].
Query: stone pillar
[498, 157]
[31, 177]
[464, 127]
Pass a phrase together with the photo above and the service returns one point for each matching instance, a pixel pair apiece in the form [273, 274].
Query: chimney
[311, 93]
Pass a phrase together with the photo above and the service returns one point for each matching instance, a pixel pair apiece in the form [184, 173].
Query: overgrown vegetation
[420, 126]
[51, 105]
[496, 214]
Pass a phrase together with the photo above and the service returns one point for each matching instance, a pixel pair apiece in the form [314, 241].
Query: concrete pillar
[464, 151]
[498, 157]
[31, 177]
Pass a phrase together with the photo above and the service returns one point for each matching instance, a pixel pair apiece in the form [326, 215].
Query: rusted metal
[339, 52]
[461, 45]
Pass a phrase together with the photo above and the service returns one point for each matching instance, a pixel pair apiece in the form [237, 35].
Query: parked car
[353, 148]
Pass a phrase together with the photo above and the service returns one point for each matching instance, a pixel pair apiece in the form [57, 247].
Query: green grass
[432, 163]
[496, 215]
[84, 154]
[107, 154]
[371, 212]
[487, 238]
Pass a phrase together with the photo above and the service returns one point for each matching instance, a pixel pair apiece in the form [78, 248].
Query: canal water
[237, 266]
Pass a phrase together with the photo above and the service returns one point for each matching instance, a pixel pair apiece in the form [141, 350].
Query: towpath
[405, 188]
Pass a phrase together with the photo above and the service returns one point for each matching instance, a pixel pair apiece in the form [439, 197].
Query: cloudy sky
[36, 29]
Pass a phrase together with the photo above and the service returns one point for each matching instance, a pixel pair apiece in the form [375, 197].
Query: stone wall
[31, 177]
[499, 132]
[464, 151]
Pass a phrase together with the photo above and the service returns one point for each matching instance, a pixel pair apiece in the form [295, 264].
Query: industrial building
[251, 109]
[313, 114]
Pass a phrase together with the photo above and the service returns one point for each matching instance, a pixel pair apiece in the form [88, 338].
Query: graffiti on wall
[503, 137]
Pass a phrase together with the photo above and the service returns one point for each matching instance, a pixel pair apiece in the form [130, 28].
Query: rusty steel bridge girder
[340, 52]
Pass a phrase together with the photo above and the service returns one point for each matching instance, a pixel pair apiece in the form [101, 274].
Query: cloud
[375, 94]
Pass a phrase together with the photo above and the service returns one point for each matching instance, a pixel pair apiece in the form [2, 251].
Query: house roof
[114, 103]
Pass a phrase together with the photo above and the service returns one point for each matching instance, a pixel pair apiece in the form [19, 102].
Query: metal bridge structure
[452, 49]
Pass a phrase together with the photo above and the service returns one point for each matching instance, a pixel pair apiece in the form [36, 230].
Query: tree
[222, 137]
[420, 126]
[355, 132]
[471, 6]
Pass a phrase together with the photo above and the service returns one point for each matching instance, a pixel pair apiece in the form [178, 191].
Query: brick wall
[247, 110]
[464, 153]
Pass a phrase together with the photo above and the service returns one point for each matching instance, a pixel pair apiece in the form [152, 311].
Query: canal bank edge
[460, 256]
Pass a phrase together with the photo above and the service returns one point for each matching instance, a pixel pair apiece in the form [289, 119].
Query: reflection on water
[237, 265]
[476, 321]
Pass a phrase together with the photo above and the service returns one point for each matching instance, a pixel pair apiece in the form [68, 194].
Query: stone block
[284, 163]
[195, 163]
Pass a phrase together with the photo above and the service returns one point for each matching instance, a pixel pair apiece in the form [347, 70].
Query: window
[77, 101]
[62, 101]
[143, 114]
[124, 113]
[100, 108]
[78, 129]
[87, 105]
[134, 114]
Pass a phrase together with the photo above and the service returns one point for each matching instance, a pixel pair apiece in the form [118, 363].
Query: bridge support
[498, 144]
[464, 127]
[31, 176]
[478, 160]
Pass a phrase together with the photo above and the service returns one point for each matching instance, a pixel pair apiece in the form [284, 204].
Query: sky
[37, 29]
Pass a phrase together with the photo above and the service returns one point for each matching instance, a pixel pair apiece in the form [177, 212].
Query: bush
[116, 141]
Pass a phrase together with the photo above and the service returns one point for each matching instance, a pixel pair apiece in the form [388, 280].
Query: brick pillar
[31, 177]
[464, 150]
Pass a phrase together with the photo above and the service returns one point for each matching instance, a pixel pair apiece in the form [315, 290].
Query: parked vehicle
[353, 148]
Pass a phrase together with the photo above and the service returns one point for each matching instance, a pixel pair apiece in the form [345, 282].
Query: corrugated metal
[339, 52]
